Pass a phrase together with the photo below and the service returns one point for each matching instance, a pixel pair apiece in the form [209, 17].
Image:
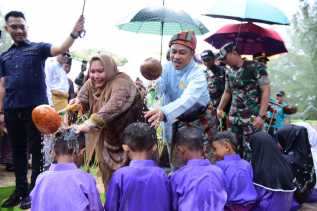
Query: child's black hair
[66, 142]
[227, 136]
[139, 136]
[191, 137]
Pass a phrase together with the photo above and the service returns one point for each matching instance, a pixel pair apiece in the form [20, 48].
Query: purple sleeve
[113, 195]
[173, 185]
[94, 197]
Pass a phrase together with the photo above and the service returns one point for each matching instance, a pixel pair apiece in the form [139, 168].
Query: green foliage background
[296, 72]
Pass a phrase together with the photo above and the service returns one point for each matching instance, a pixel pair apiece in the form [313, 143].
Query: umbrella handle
[82, 33]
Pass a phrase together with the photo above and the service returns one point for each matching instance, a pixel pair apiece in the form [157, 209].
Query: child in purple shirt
[238, 173]
[198, 185]
[141, 186]
[64, 186]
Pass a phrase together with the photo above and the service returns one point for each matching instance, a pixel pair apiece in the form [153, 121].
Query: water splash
[47, 150]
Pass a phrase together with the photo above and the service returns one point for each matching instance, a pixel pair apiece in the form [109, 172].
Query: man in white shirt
[57, 82]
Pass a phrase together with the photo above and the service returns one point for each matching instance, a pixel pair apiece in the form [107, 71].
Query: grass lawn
[4, 194]
[312, 122]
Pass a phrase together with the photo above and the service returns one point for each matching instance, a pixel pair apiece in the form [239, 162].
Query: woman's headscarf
[270, 169]
[312, 137]
[108, 63]
[296, 150]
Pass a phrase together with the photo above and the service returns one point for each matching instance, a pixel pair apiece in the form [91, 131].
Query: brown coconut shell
[46, 119]
[151, 68]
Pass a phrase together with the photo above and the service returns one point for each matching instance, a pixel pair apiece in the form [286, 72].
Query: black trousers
[24, 137]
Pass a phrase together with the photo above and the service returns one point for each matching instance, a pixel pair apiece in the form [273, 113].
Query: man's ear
[126, 148]
[6, 28]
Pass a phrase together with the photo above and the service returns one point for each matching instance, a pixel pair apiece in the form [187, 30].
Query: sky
[52, 21]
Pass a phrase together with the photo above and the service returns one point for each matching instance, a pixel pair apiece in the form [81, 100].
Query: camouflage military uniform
[216, 84]
[244, 85]
[216, 87]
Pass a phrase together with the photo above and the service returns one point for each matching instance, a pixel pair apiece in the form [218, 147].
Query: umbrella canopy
[249, 38]
[163, 21]
[249, 11]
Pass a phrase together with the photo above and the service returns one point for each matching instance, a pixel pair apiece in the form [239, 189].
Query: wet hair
[16, 14]
[190, 137]
[67, 142]
[227, 136]
[139, 136]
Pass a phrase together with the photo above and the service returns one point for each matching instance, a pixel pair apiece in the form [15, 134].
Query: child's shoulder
[234, 164]
[42, 175]
[212, 170]
[123, 170]
[244, 162]
[130, 169]
[181, 172]
[224, 164]
[85, 174]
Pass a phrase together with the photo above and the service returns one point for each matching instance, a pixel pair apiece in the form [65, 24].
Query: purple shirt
[198, 186]
[141, 186]
[273, 200]
[238, 180]
[65, 187]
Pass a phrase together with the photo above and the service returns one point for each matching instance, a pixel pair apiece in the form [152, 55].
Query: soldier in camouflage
[248, 85]
[215, 75]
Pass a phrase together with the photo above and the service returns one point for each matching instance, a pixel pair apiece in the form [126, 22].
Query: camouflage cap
[207, 55]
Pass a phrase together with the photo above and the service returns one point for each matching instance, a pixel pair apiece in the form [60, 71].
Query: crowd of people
[227, 145]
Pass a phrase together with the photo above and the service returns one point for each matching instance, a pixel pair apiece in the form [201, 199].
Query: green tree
[296, 72]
